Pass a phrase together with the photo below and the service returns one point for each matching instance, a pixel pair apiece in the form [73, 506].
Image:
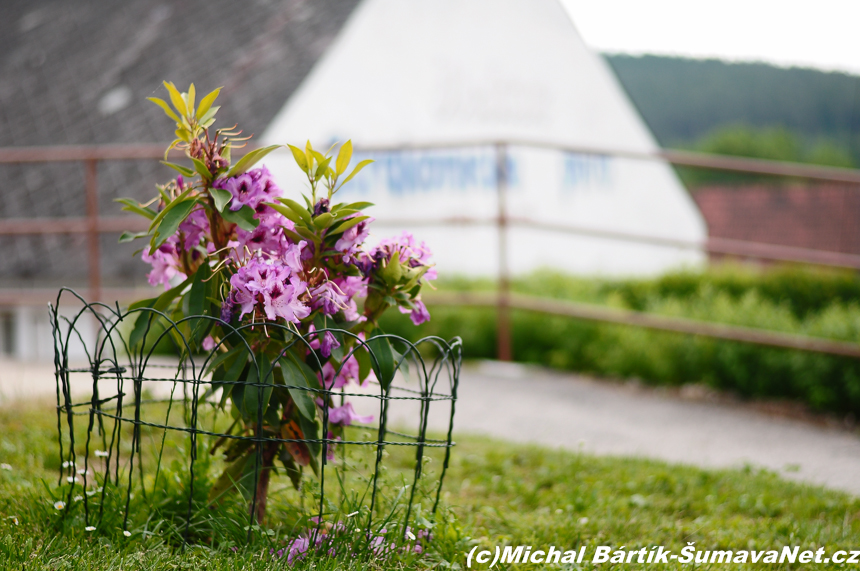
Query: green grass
[495, 493]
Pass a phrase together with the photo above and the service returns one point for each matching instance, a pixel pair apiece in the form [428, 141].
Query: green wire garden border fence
[122, 376]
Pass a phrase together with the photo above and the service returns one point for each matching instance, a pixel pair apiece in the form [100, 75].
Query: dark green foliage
[777, 144]
[682, 100]
[802, 291]
[813, 303]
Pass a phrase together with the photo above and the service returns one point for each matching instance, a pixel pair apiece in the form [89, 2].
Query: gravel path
[526, 404]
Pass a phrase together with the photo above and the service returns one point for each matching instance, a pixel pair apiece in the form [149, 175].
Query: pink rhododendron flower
[418, 315]
[345, 415]
[272, 281]
[348, 372]
[250, 189]
[165, 264]
[193, 228]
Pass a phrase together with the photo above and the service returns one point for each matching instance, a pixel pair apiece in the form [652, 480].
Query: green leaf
[249, 160]
[189, 99]
[171, 204]
[257, 397]
[197, 294]
[221, 197]
[293, 470]
[384, 365]
[294, 379]
[307, 234]
[134, 206]
[170, 223]
[208, 118]
[299, 157]
[364, 362]
[225, 358]
[294, 236]
[159, 303]
[247, 482]
[311, 432]
[201, 169]
[228, 481]
[163, 104]
[324, 220]
[206, 103]
[309, 155]
[232, 375]
[347, 224]
[321, 169]
[176, 98]
[131, 236]
[310, 376]
[287, 212]
[343, 157]
[358, 205]
[244, 217]
[392, 272]
[184, 171]
[356, 170]
[297, 208]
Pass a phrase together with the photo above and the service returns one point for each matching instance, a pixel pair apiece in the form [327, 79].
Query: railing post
[503, 324]
[94, 247]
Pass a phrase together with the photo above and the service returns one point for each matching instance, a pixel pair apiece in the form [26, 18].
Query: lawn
[495, 493]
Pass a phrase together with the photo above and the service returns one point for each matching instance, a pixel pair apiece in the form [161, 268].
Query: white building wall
[455, 71]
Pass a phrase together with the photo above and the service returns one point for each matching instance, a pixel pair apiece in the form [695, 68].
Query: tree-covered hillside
[685, 101]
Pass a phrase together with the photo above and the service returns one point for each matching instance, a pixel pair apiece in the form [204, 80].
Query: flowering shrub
[262, 269]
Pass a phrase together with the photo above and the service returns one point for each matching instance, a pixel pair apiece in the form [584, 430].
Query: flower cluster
[295, 285]
[254, 189]
[331, 536]
[271, 285]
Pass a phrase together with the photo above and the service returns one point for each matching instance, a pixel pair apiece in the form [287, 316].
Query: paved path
[525, 404]
[530, 405]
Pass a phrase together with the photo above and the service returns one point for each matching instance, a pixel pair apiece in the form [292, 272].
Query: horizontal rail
[39, 296]
[713, 245]
[723, 246]
[598, 313]
[577, 310]
[107, 225]
[64, 153]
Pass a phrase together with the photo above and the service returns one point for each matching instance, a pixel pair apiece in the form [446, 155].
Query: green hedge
[820, 304]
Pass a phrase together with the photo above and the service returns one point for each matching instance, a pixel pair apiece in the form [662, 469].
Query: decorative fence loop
[121, 388]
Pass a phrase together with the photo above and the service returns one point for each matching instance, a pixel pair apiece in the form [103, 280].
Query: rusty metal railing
[504, 301]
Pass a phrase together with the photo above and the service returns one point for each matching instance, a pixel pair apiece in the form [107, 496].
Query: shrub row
[820, 304]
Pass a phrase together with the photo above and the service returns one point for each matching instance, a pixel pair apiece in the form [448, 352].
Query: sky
[823, 34]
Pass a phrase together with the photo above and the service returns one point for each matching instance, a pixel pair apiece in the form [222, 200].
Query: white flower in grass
[126, 533]
[68, 464]
[101, 454]
[83, 472]
[72, 479]
[59, 505]
[583, 520]
[78, 498]
[5, 466]
[14, 519]
[90, 528]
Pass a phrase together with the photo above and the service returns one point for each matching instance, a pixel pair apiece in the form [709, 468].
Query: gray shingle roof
[78, 72]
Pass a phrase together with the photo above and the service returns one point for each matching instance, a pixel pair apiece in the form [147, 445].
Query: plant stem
[270, 450]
